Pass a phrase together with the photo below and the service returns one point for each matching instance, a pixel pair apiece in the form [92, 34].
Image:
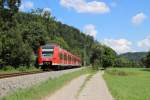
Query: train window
[68, 58]
[62, 56]
[48, 47]
[71, 59]
[47, 53]
[65, 57]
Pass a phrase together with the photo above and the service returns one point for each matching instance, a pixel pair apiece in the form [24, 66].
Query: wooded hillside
[134, 56]
[22, 33]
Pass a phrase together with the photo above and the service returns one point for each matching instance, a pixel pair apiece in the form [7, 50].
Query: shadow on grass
[117, 72]
[146, 69]
[102, 69]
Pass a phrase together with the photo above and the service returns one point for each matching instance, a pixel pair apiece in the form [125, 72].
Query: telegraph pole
[84, 55]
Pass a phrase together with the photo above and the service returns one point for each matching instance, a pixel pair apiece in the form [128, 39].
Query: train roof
[47, 46]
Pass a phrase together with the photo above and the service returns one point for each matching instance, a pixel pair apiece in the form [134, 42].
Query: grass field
[129, 83]
[39, 91]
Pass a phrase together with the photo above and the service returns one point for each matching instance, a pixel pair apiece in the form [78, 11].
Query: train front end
[46, 55]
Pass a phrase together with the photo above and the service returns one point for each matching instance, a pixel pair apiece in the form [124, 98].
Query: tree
[146, 60]
[8, 9]
[1, 61]
[14, 51]
[122, 62]
[108, 57]
[60, 41]
[34, 34]
[97, 54]
[12, 5]
[0, 49]
[1, 4]
[102, 56]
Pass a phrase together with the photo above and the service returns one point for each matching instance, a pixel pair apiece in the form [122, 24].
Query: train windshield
[47, 53]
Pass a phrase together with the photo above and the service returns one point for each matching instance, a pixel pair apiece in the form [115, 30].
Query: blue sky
[120, 24]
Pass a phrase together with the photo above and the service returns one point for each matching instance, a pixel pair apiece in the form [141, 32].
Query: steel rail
[19, 74]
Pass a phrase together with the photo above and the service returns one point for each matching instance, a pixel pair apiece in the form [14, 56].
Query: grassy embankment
[129, 83]
[39, 91]
[9, 69]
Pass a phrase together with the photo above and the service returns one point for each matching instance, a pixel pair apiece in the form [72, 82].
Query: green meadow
[128, 83]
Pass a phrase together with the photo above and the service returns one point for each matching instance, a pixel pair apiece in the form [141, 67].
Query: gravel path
[9, 85]
[68, 92]
[95, 89]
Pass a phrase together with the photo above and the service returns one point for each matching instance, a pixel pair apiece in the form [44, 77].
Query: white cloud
[119, 45]
[47, 9]
[138, 18]
[145, 43]
[26, 5]
[82, 6]
[90, 30]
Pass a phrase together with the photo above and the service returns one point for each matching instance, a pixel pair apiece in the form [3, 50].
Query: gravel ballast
[12, 84]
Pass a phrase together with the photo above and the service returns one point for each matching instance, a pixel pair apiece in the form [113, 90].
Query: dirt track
[95, 89]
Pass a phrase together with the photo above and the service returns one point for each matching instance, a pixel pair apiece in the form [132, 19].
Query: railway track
[19, 74]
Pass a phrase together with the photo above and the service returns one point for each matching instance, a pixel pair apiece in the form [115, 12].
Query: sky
[123, 25]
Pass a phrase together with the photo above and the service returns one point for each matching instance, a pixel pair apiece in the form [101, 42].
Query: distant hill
[134, 56]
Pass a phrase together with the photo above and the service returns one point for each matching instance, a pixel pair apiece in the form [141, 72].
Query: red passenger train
[52, 55]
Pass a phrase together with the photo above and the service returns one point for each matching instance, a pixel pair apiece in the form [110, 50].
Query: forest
[22, 33]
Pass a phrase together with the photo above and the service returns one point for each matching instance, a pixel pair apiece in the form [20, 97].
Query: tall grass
[10, 69]
[129, 83]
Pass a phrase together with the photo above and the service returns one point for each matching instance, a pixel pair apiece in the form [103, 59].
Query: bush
[122, 62]
[118, 72]
[22, 68]
[1, 63]
[97, 65]
[8, 68]
[26, 68]
[0, 46]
